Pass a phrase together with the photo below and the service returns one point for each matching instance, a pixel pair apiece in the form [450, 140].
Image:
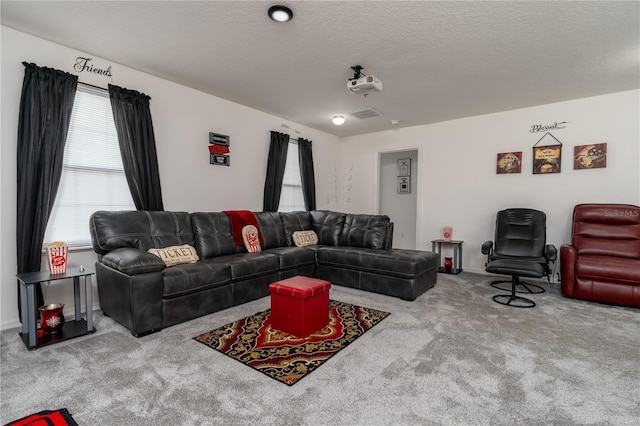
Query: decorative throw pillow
[305, 238]
[175, 255]
[251, 238]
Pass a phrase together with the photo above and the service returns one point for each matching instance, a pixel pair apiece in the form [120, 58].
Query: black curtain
[275, 171]
[307, 175]
[45, 112]
[137, 146]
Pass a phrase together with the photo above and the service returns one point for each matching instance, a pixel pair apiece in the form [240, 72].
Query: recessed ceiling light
[280, 13]
[338, 120]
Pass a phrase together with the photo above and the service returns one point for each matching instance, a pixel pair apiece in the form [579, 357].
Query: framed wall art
[593, 156]
[509, 162]
[219, 149]
[404, 167]
[547, 158]
[404, 185]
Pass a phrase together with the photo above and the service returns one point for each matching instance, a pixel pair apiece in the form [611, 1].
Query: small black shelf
[29, 310]
[436, 247]
[69, 330]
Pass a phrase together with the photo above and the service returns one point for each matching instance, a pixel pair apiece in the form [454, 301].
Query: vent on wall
[366, 113]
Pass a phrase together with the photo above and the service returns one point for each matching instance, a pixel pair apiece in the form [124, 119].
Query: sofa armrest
[388, 237]
[568, 257]
[132, 261]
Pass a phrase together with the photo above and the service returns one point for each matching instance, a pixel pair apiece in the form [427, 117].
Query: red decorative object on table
[448, 264]
[52, 318]
[447, 232]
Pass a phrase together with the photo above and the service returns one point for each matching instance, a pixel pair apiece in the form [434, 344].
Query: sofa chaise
[137, 288]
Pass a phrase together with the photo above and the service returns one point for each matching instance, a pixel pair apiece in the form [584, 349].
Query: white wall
[182, 119]
[458, 184]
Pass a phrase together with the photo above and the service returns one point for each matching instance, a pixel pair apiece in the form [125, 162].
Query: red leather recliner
[602, 263]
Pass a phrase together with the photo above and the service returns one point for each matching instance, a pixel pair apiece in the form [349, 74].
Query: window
[291, 198]
[92, 173]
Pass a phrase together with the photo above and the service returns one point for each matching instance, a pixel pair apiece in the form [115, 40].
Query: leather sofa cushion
[249, 265]
[607, 230]
[272, 230]
[328, 226]
[362, 230]
[520, 232]
[132, 261]
[539, 259]
[398, 262]
[295, 221]
[624, 248]
[183, 279]
[609, 268]
[521, 268]
[139, 229]
[213, 235]
[292, 257]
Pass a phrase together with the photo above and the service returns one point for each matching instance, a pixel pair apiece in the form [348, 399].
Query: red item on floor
[299, 305]
[59, 417]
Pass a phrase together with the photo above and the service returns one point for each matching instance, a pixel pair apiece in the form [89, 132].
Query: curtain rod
[91, 85]
[286, 126]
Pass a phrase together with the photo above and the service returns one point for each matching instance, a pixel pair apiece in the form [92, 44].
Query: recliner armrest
[550, 252]
[487, 247]
[132, 261]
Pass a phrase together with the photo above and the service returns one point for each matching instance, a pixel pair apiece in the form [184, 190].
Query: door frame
[380, 153]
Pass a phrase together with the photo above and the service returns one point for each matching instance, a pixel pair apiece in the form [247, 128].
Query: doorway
[398, 194]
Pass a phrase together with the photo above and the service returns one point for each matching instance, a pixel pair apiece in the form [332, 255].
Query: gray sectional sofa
[137, 289]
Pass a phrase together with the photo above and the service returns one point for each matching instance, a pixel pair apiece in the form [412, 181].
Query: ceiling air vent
[365, 113]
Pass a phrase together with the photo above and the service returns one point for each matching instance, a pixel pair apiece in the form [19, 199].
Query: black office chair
[520, 250]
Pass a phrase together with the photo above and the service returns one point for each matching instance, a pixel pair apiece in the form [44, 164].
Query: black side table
[436, 247]
[29, 310]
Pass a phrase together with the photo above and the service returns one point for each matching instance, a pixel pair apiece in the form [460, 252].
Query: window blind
[93, 175]
[291, 198]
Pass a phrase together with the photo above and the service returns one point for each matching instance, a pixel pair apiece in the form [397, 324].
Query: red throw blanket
[239, 219]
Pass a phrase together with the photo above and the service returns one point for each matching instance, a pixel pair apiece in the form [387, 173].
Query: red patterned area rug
[59, 417]
[285, 357]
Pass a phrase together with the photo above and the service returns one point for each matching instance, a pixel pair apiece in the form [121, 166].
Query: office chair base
[526, 287]
[513, 301]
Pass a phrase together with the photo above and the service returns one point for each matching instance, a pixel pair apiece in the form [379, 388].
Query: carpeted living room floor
[452, 357]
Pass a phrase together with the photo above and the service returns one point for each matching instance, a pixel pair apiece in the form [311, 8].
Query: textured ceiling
[437, 60]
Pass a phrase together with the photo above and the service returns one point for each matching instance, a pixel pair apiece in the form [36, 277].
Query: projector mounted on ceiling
[362, 84]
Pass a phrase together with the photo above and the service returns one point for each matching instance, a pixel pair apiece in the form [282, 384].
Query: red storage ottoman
[299, 305]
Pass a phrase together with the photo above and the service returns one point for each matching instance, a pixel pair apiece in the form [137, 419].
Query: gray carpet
[451, 357]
